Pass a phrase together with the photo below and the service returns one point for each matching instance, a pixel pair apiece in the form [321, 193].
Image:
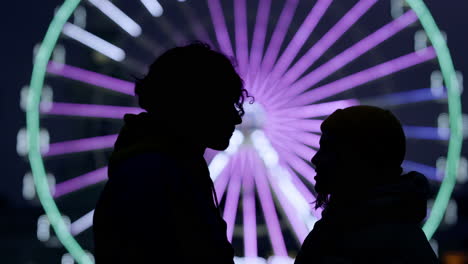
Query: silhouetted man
[372, 212]
[159, 205]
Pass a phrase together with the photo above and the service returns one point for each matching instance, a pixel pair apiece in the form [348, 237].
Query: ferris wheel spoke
[222, 181]
[249, 210]
[90, 110]
[219, 23]
[89, 77]
[241, 38]
[300, 37]
[406, 97]
[317, 50]
[297, 224]
[81, 145]
[269, 212]
[279, 33]
[117, 16]
[197, 28]
[81, 224]
[80, 182]
[365, 76]
[170, 30]
[428, 171]
[153, 7]
[426, 133]
[94, 42]
[290, 79]
[306, 125]
[295, 162]
[290, 143]
[315, 110]
[258, 40]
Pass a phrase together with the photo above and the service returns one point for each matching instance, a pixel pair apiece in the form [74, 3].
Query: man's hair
[190, 76]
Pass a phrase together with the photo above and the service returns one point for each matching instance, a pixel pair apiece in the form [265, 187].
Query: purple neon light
[89, 110]
[80, 182]
[249, 215]
[295, 162]
[232, 198]
[242, 45]
[259, 34]
[194, 22]
[364, 76]
[298, 226]
[81, 145]
[268, 207]
[316, 110]
[279, 33]
[317, 50]
[300, 37]
[222, 180]
[292, 144]
[219, 23]
[306, 138]
[93, 78]
[350, 54]
[289, 124]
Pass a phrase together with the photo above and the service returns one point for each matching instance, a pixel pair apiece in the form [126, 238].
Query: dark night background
[24, 24]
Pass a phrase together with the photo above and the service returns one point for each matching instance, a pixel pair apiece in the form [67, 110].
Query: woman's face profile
[327, 164]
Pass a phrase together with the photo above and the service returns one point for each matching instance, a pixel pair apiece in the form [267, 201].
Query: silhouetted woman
[159, 205]
[372, 213]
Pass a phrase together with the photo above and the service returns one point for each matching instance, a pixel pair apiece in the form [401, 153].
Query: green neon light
[37, 165]
[455, 114]
[32, 122]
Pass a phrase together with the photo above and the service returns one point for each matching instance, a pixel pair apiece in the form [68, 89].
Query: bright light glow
[89, 77]
[89, 110]
[235, 142]
[280, 260]
[83, 223]
[80, 182]
[119, 17]
[93, 42]
[217, 165]
[154, 7]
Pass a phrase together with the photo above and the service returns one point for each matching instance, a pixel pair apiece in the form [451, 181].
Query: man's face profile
[219, 122]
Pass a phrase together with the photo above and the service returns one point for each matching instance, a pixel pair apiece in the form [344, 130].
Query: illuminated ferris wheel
[301, 60]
